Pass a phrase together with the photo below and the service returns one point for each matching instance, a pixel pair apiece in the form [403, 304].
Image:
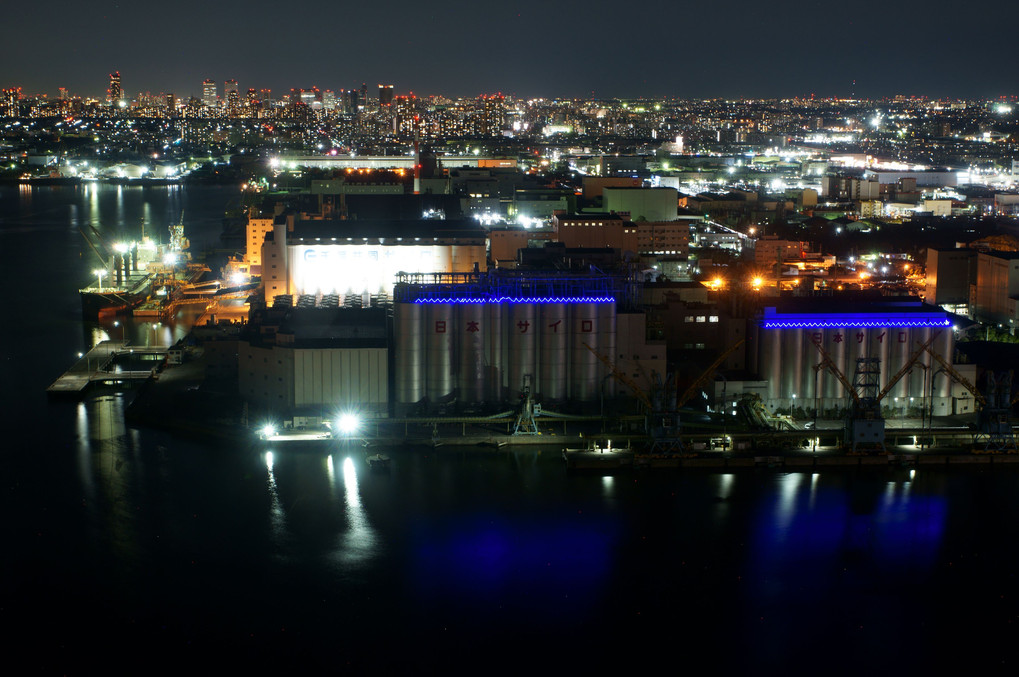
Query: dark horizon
[740, 51]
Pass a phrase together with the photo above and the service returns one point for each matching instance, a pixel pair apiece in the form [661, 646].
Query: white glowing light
[348, 424]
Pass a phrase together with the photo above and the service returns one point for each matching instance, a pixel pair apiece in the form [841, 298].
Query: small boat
[378, 462]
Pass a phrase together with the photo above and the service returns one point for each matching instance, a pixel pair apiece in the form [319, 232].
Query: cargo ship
[116, 299]
[130, 273]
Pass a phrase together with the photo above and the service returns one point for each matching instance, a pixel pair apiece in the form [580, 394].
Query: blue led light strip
[522, 299]
[887, 322]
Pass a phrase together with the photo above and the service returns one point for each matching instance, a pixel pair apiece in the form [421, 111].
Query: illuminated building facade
[115, 92]
[482, 338]
[404, 112]
[783, 350]
[671, 238]
[209, 97]
[232, 96]
[329, 100]
[9, 98]
[350, 257]
[596, 230]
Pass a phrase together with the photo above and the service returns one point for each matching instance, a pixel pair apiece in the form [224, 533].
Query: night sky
[740, 48]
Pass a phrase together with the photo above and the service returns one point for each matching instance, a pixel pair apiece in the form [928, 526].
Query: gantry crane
[865, 426]
[994, 424]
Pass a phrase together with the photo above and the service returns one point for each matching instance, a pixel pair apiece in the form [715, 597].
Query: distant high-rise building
[9, 102]
[352, 96]
[251, 101]
[171, 103]
[312, 98]
[362, 100]
[62, 93]
[329, 100]
[209, 97]
[385, 95]
[115, 93]
[404, 114]
[265, 97]
[232, 97]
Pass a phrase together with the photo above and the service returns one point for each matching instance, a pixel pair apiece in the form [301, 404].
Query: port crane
[865, 426]
[662, 415]
[994, 424]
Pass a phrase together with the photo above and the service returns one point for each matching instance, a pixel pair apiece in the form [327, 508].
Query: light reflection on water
[357, 544]
[109, 467]
[277, 516]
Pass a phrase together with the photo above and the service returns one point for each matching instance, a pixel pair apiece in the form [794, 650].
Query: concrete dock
[97, 365]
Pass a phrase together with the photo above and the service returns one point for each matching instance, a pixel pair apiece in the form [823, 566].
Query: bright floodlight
[348, 424]
[268, 430]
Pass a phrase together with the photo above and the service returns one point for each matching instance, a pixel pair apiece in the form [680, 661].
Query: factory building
[784, 351]
[316, 360]
[350, 257]
[995, 296]
[642, 204]
[950, 275]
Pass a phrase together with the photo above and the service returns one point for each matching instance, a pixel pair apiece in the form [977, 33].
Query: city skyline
[528, 50]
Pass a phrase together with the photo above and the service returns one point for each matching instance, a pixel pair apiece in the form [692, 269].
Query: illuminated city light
[522, 299]
[806, 321]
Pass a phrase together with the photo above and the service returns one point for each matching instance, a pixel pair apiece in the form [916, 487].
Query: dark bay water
[137, 551]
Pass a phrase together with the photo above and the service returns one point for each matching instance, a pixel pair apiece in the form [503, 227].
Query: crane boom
[829, 364]
[959, 378]
[706, 374]
[907, 366]
[623, 378]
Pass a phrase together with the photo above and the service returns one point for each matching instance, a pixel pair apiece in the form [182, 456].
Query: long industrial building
[788, 337]
[483, 339]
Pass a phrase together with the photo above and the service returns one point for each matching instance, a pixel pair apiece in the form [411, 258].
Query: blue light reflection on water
[560, 564]
[805, 523]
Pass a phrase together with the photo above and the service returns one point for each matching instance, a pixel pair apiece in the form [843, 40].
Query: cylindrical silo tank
[944, 345]
[494, 365]
[553, 361]
[409, 327]
[439, 351]
[607, 342]
[792, 364]
[771, 360]
[900, 357]
[917, 377]
[522, 346]
[584, 363]
[471, 329]
[831, 390]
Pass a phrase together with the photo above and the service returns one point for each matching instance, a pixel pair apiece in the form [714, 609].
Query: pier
[97, 366]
